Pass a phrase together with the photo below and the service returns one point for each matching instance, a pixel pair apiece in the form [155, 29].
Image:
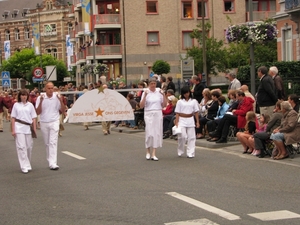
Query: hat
[171, 98]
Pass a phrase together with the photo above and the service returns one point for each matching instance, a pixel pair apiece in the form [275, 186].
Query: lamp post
[252, 62]
[203, 39]
[38, 7]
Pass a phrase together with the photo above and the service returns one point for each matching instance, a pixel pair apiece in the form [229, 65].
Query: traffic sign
[37, 79]
[5, 82]
[38, 72]
[5, 75]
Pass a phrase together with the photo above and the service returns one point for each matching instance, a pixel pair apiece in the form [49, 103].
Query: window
[152, 38]
[17, 34]
[49, 28]
[151, 7]
[187, 11]
[70, 28]
[51, 51]
[108, 7]
[262, 5]
[7, 35]
[287, 45]
[187, 41]
[200, 9]
[109, 38]
[26, 34]
[229, 6]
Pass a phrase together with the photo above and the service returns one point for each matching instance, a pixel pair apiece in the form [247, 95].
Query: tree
[215, 52]
[161, 67]
[21, 64]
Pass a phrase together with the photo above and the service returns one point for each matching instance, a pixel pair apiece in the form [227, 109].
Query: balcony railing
[291, 4]
[104, 50]
[107, 19]
[81, 55]
[261, 15]
[79, 27]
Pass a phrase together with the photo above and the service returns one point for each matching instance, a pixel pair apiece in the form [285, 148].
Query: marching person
[186, 109]
[23, 116]
[48, 106]
[153, 100]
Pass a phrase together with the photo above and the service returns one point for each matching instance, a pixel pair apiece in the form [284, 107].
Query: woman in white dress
[186, 110]
[22, 116]
[153, 101]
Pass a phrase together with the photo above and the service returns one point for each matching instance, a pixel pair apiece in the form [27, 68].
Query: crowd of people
[198, 113]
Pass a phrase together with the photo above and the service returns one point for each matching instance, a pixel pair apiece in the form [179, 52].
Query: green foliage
[21, 64]
[289, 72]
[161, 67]
[215, 52]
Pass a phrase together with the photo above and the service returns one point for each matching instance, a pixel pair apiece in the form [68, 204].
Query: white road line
[73, 155]
[205, 206]
[193, 222]
[275, 215]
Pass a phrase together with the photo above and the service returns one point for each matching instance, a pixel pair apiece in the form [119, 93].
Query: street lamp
[203, 39]
[252, 62]
[38, 7]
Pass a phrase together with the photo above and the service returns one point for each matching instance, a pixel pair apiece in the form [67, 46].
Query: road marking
[73, 155]
[205, 206]
[193, 222]
[275, 215]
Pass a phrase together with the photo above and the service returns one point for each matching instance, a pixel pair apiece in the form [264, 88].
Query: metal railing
[107, 19]
[104, 50]
[291, 4]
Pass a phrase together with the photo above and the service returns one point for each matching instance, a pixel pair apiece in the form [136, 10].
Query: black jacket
[197, 94]
[266, 92]
[171, 85]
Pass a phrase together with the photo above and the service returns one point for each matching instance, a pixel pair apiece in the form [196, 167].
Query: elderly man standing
[235, 84]
[273, 72]
[266, 97]
[48, 106]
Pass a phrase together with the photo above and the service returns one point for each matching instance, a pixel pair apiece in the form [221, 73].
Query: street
[106, 179]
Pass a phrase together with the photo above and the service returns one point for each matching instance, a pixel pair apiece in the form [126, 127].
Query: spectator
[293, 99]
[279, 88]
[197, 89]
[205, 101]
[170, 84]
[235, 84]
[287, 132]
[163, 83]
[244, 88]
[266, 97]
[133, 103]
[158, 83]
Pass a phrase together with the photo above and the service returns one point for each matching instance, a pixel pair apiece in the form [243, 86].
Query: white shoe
[148, 156]
[25, 171]
[179, 155]
[154, 158]
[55, 167]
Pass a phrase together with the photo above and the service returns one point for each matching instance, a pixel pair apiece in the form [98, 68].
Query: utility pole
[39, 6]
[252, 61]
[203, 39]
[93, 37]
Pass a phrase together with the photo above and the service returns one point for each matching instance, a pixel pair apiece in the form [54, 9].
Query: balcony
[261, 15]
[79, 29]
[105, 52]
[80, 57]
[292, 4]
[107, 21]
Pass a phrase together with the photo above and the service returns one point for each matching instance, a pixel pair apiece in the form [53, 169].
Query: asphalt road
[113, 184]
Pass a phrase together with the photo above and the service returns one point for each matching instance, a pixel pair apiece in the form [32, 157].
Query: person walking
[153, 100]
[48, 106]
[23, 116]
[186, 109]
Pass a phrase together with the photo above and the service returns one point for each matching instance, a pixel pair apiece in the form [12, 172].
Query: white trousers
[187, 134]
[24, 145]
[50, 135]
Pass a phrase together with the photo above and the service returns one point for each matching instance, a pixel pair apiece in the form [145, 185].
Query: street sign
[38, 72]
[5, 75]
[6, 83]
[37, 79]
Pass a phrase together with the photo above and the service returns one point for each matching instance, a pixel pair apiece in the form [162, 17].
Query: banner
[86, 16]
[100, 105]
[70, 52]
[36, 38]
[6, 49]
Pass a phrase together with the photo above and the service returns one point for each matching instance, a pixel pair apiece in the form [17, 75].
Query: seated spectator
[262, 126]
[168, 120]
[236, 118]
[293, 99]
[133, 104]
[250, 129]
[212, 124]
[260, 138]
[212, 110]
[287, 132]
[205, 100]
[169, 109]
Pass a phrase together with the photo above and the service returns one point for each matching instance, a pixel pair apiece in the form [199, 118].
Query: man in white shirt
[235, 84]
[48, 106]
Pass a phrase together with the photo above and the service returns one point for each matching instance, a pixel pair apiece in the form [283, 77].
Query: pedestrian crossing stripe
[5, 83]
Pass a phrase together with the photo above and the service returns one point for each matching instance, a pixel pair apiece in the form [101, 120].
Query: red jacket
[168, 110]
[244, 106]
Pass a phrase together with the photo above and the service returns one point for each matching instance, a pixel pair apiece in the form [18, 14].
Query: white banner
[69, 45]
[100, 105]
[6, 49]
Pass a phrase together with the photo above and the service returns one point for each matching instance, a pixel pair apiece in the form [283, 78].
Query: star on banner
[99, 112]
[100, 89]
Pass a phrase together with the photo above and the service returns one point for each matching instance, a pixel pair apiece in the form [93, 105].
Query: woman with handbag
[23, 116]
